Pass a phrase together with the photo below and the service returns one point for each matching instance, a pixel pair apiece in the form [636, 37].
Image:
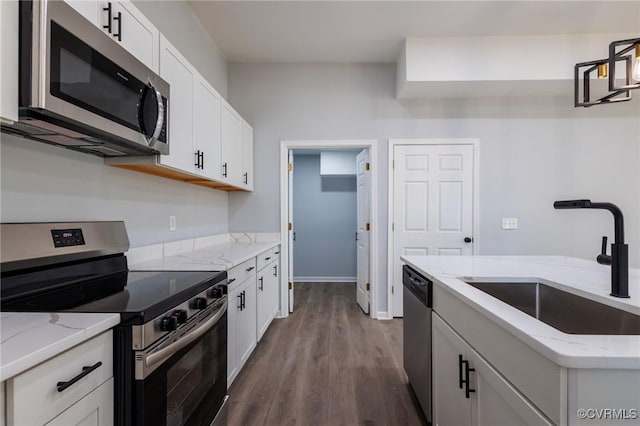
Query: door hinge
[290, 286]
[290, 226]
[368, 287]
[368, 227]
[367, 166]
[290, 167]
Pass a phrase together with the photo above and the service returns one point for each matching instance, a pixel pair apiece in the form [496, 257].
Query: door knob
[468, 239]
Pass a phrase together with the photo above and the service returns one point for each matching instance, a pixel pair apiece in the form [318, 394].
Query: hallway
[326, 364]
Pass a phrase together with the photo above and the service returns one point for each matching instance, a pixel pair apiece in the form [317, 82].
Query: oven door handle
[166, 352]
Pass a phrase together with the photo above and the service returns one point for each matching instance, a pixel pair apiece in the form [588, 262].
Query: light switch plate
[509, 223]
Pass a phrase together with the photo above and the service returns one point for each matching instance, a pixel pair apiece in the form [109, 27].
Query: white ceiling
[373, 31]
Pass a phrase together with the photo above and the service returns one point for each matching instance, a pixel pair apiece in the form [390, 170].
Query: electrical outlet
[172, 223]
[509, 223]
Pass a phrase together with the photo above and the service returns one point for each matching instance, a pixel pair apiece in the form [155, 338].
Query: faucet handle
[603, 258]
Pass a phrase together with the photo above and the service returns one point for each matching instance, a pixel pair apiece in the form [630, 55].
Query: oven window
[82, 76]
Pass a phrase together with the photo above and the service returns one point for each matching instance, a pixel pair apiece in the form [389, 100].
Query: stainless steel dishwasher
[417, 297]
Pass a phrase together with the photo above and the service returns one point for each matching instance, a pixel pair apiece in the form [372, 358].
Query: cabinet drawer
[239, 274]
[33, 397]
[267, 257]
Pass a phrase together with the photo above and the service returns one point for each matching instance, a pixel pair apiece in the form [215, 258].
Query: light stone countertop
[31, 338]
[578, 276]
[219, 254]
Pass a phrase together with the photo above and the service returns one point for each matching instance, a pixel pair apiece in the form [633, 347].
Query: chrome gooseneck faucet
[619, 258]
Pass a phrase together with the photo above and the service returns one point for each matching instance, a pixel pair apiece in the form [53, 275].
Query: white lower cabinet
[241, 324]
[267, 292]
[468, 391]
[72, 388]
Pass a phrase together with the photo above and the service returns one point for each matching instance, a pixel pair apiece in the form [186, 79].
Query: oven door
[189, 386]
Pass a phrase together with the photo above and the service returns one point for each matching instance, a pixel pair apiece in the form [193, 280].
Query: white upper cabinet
[206, 125]
[232, 168]
[176, 71]
[126, 25]
[9, 60]
[247, 156]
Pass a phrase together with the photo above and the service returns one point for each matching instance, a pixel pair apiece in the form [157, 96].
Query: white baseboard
[383, 315]
[324, 279]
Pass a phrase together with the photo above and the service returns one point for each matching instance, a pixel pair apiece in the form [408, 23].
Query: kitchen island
[516, 366]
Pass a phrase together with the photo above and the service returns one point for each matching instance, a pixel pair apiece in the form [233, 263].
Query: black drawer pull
[251, 268]
[277, 252]
[231, 280]
[62, 386]
[267, 258]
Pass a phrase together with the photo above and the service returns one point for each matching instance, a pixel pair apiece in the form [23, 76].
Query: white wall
[40, 182]
[531, 153]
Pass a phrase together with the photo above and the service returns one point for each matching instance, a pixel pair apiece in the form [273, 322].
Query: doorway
[433, 203]
[362, 218]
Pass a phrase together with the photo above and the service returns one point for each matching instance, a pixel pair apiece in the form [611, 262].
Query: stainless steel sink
[561, 310]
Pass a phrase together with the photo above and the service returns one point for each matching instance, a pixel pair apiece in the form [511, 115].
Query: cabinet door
[450, 405]
[496, 402]
[246, 332]
[231, 145]
[95, 409]
[233, 310]
[179, 74]
[136, 34]
[206, 122]
[247, 156]
[9, 60]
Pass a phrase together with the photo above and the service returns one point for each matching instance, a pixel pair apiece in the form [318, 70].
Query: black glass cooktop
[137, 296]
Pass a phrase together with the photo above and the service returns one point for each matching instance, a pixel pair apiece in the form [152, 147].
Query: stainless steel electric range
[170, 349]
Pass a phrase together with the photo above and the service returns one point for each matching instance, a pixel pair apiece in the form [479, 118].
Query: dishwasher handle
[418, 285]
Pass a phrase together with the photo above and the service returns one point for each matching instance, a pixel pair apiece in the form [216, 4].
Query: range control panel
[67, 237]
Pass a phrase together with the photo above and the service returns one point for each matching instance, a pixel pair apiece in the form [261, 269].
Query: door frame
[475, 249]
[285, 146]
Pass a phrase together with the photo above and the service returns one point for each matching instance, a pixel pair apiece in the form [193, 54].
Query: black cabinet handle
[119, 19]
[267, 258]
[230, 281]
[460, 363]
[197, 163]
[261, 279]
[246, 178]
[109, 17]
[277, 252]
[202, 160]
[275, 270]
[62, 386]
[467, 390]
[224, 170]
[251, 268]
[239, 301]
[356, 236]
[244, 298]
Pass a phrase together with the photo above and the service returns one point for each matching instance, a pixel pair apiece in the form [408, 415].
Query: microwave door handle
[166, 352]
[159, 120]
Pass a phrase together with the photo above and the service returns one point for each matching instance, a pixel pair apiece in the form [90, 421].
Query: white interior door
[291, 231]
[432, 205]
[362, 232]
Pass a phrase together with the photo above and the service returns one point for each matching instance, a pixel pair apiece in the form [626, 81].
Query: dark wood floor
[326, 364]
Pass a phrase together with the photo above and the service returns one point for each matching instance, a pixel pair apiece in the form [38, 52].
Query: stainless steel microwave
[82, 90]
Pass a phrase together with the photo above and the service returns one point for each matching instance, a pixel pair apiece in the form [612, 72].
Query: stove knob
[199, 303]
[180, 315]
[168, 323]
[215, 293]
